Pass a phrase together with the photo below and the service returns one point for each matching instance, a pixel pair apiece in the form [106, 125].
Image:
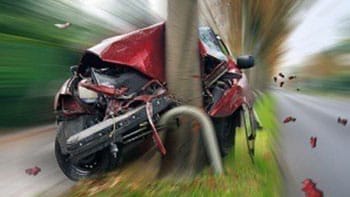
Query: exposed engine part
[86, 95]
[131, 79]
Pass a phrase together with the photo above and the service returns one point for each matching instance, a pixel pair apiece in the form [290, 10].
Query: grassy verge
[241, 178]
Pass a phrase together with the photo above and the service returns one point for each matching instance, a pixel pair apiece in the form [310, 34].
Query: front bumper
[122, 129]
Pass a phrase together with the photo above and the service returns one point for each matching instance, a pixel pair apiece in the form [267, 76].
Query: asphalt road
[329, 163]
[26, 149]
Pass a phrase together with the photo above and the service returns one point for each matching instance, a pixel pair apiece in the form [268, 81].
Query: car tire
[88, 167]
[225, 129]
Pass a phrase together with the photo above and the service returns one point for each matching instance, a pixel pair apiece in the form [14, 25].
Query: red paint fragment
[342, 121]
[33, 171]
[281, 75]
[313, 141]
[281, 84]
[292, 77]
[310, 189]
[289, 119]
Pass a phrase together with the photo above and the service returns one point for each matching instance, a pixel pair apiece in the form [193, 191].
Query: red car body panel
[228, 103]
[142, 50]
[234, 97]
[64, 91]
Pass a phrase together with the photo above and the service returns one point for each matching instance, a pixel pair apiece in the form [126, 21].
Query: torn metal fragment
[342, 121]
[289, 119]
[281, 84]
[310, 189]
[313, 141]
[33, 171]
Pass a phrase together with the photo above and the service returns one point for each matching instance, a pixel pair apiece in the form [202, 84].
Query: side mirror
[245, 61]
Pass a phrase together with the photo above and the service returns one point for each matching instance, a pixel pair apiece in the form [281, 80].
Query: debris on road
[310, 189]
[281, 75]
[281, 84]
[63, 26]
[33, 171]
[342, 121]
[313, 141]
[292, 77]
[289, 119]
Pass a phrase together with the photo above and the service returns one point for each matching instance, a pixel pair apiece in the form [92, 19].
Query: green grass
[242, 178]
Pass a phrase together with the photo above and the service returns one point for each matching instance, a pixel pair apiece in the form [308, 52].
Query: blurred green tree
[257, 27]
[36, 55]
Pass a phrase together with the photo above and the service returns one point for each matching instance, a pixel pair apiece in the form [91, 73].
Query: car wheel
[87, 167]
[225, 129]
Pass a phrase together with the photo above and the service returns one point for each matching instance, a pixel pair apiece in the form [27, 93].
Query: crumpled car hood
[142, 50]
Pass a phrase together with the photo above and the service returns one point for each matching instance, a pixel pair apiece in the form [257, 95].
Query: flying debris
[310, 189]
[342, 121]
[281, 84]
[275, 79]
[313, 141]
[33, 171]
[289, 119]
[281, 75]
[63, 26]
[292, 77]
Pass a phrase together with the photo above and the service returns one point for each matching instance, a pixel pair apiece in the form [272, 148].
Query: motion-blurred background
[36, 55]
[306, 39]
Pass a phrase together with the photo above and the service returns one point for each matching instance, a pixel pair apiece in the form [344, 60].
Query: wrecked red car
[117, 94]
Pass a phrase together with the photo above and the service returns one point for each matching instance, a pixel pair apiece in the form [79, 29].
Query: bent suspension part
[250, 130]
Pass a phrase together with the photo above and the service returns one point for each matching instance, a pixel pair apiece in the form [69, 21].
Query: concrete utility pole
[182, 72]
[182, 57]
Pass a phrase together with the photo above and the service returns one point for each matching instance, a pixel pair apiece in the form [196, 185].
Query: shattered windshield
[207, 36]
